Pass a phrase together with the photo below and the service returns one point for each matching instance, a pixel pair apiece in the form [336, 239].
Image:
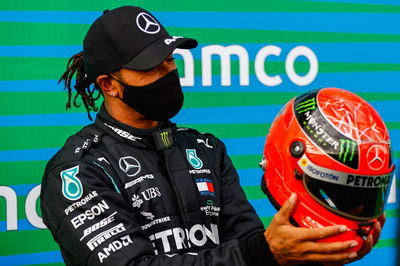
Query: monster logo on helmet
[322, 133]
[333, 149]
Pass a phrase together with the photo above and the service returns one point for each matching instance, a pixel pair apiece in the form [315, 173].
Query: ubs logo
[151, 193]
[147, 195]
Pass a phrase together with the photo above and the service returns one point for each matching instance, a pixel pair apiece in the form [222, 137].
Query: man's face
[146, 77]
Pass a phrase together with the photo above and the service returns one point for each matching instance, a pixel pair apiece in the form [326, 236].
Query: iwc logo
[71, 185]
[193, 159]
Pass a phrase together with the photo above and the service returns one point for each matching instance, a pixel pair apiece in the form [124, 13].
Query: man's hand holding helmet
[293, 245]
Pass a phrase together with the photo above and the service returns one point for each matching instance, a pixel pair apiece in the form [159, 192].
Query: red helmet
[333, 149]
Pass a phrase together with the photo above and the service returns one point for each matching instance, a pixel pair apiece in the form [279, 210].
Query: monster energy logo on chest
[322, 133]
[163, 138]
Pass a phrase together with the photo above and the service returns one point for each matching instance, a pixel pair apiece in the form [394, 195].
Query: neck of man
[124, 114]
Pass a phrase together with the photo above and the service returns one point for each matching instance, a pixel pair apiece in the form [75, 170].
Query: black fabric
[358, 203]
[256, 251]
[128, 37]
[142, 205]
[158, 101]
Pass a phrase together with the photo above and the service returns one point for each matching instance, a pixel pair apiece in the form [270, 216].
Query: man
[134, 189]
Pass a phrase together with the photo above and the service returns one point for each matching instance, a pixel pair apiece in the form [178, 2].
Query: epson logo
[94, 211]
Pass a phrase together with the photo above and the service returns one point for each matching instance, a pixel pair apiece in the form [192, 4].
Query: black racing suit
[117, 195]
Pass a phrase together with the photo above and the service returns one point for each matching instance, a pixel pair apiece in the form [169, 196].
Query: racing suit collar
[159, 138]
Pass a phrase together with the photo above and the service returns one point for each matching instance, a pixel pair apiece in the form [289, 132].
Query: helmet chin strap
[364, 229]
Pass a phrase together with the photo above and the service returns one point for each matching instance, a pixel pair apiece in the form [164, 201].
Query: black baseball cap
[127, 37]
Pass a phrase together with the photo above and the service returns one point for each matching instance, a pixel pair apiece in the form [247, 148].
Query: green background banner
[253, 57]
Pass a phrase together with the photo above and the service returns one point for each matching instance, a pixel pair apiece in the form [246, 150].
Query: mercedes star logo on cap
[129, 165]
[147, 23]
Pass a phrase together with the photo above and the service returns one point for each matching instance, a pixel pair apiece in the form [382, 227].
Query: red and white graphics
[205, 186]
[332, 148]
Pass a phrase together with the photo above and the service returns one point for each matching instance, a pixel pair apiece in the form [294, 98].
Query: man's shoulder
[187, 131]
[76, 145]
[201, 138]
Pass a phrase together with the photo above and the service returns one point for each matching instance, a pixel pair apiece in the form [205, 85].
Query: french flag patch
[205, 187]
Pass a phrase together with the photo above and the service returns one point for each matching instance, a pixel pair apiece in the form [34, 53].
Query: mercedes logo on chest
[129, 165]
[147, 23]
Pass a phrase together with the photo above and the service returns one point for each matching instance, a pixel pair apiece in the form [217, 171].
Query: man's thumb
[288, 207]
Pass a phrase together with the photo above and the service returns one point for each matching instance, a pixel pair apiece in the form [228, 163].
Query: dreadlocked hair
[75, 67]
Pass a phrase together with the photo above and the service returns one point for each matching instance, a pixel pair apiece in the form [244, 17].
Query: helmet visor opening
[357, 203]
[358, 197]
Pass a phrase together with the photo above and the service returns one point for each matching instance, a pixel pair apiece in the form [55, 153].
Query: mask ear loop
[117, 80]
[114, 94]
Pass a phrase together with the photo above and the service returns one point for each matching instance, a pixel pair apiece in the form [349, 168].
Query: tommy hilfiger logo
[205, 186]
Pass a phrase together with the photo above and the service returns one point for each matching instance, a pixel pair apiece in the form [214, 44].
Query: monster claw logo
[306, 106]
[165, 139]
[347, 150]
[71, 185]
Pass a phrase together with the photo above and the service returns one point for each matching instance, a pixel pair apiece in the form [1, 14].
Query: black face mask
[158, 101]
